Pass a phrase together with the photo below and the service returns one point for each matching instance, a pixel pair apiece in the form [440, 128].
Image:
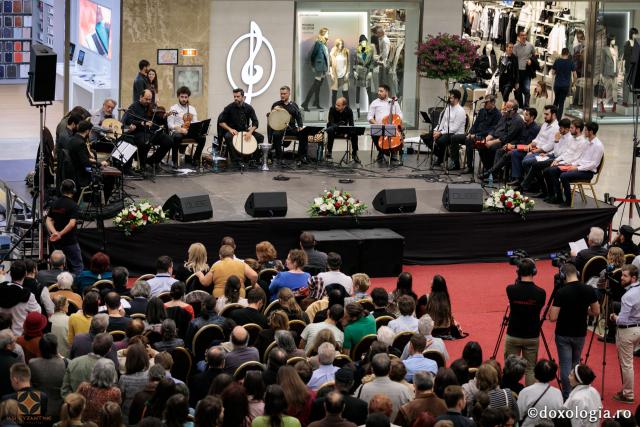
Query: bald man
[146, 133]
[341, 115]
[241, 353]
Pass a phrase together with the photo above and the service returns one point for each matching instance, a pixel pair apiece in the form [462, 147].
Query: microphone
[446, 101]
[478, 100]
[392, 99]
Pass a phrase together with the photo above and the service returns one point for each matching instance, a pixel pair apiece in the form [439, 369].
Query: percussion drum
[244, 146]
[279, 119]
[265, 147]
[113, 129]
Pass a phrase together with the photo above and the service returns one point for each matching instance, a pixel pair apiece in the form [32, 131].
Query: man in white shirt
[177, 126]
[564, 171]
[334, 275]
[16, 300]
[326, 371]
[425, 327]
[543, 143]
[450, 130]
[533, 167]
[406, 321]
[334, 315]
[380, 108]
[540, 395]
[163, 280]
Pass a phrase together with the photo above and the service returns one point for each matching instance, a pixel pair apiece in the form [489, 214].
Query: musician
[239, 117]
[178, 129]
[450, 130]
[341, 115]
[295, 128]
[83, 160]
[507, 130]
[141, 82]
[378, 110]
[486, 120]
[98, 116]
[145, 132]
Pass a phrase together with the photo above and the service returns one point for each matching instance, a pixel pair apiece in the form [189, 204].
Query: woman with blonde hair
[615, 260]
[72, 410]
[267, 256]
[196, 261]
[340, 65]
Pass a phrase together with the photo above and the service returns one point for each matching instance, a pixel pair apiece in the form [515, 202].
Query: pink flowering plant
[336, 203]
[445, 57]
[508, 200]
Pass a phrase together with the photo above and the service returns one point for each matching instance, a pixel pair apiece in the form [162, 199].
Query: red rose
[509, 204]
[131, 216]
[336, 204]
[145, 217]
[329, 195]
[503, 198]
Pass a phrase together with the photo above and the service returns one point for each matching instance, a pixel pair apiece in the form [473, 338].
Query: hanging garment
[495, 26]
[485, 22]
[525, 20]
[557, 39]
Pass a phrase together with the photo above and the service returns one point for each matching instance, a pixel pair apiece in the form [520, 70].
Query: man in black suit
[200, 383]
[252, 313]
[355, 410]
[341, 115]
[594, 241]
[141, 81]
[454, 398]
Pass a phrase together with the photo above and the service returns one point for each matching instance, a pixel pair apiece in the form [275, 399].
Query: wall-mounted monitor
[80, 57]
[94, 27]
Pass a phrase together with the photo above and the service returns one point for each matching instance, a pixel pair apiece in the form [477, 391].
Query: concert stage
[432, 234]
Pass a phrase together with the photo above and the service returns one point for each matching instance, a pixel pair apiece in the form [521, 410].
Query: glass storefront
[595, 34]
[365, 45]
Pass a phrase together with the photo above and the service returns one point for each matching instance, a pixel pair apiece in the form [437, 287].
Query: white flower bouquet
[336, 203]
[506, 199]
[137, 215]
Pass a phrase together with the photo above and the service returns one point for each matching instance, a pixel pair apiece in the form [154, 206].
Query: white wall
[230, 20]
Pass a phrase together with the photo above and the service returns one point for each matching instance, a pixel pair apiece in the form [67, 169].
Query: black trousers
[331, 135]
[145, 140]
[276, 137]
[228, 140]
[488, 155]
[177, 147]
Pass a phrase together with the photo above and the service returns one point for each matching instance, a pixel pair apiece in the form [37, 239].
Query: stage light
[189, 52]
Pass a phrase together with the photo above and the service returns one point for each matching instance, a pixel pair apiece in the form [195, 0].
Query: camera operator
[573, 302]
[628, 335]
[526, 300]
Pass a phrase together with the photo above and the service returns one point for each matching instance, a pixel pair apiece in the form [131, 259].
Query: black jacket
[355, 410]
[509, 74]
[485, 122]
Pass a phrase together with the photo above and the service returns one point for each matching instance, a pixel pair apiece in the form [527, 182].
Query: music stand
[123, 152]
[382, 131]
[198, 129]
[348, 132]
[427, 120]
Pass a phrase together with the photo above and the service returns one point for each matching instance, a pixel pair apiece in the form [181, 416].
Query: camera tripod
[505, 323]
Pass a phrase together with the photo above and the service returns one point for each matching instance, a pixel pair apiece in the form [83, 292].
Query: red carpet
[479, 300]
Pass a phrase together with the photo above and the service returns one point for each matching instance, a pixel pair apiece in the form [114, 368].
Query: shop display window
[348, 49]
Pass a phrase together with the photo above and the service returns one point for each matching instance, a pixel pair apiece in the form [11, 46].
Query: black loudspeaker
[396, 200]
[266, 204]
[42, 73]
[187, 207]
[462, 198]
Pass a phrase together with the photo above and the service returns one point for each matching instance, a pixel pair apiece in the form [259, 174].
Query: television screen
[94, 30]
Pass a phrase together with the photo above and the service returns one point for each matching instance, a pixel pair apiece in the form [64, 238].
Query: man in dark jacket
[506, 131]
[355, 410]
[594, 241]
[487, 119]
[200, 383]
[141, 81]
[7, 358]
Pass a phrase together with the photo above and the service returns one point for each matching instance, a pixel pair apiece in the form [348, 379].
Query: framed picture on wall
[189, 76]
[167, 57]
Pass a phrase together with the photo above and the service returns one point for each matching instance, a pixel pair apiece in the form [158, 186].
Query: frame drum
[243, 146]
[279, 119]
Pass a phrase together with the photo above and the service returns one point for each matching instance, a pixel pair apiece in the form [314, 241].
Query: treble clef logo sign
[251, 73]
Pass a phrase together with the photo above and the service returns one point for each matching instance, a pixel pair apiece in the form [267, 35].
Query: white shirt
[60, 328]
[175, 120]
[341, 65]
[161, 283]
[322, 375]
[311, 331]
[385, 46]
[551, 400]
[403, 324]
[380, 108]
[452, 120]
[561, 146]
[572, 150]
[584, 398]
[222, 301]
[591, 156]
[546, 138]
[557, 39]
[329, 277]
[436, 344]
[19, 311]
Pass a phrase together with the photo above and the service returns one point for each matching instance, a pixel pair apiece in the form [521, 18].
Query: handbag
[599, 91]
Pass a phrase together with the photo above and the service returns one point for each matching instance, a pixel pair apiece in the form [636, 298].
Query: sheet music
[578, 245]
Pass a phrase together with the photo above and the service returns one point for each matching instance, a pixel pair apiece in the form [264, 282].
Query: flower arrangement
[507, 200]
[445, 56]
[137, 215]
[336, 203]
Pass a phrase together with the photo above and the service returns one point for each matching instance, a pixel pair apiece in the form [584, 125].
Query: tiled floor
[19, 136]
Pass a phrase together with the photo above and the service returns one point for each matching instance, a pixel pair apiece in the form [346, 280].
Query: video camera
[558, 259]
[517, 255]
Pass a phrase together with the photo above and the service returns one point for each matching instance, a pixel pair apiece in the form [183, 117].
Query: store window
[366, 45]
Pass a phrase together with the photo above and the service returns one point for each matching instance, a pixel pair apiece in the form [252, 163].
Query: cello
[392, 144]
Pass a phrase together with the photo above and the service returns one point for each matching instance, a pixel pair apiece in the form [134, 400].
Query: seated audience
[355, 409]
[136, 375]
[295, 278]
[98, 270]
[157, 373]
[101, 388]
[514, 369]
[240, 352]
[334, 275]
[278, 320]
[57, 262]
[207, 316]
[117, 320]
[72, 411]
[208, 412]
[140, 294]
[79, 322]
[163, 279]
[252, 313]
[254, 385]
[407, 320]
[360, 323]
[285, 340]
[20, 377]
[334, 405]
[120, 278]
[583, 396]
[425, 328]
[200, 383]
[325, 373]
[177, 292]
[39, 290]
[196, 261]
[316, 260]
[416, 362]
[455, 401]
[361, 283]
[64, 280]
[79, 369]
[336, 313]
[170, 338]
[231, 294]
[155, 314]
[275, 410]
[439, 308]
[380, 299]
[267, 257]
[32, 332]
[404, 286]
[47, 372]
[298, 397]
[540, 395]
[424, 401]
[60, 324]
[289, 305]
[16, 300]
[228, 265]
[595, 239]
[624, 240]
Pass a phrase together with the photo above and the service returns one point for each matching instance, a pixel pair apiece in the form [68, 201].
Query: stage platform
[432, 234]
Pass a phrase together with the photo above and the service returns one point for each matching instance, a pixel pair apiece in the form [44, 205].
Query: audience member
[299, 398]
[316, 259]
[111, 415]
[334, 275]
[425, 400]
[275, 408]
[235, 405]
[228, 265]
[32, 413]
[334, 405]
[416, 362]
[361, 283]
[425, 328]
[404, 286]
[80, 322]
[336, 313]
[39, 290]
[201, 382]
[60, 324]
[136, 375]
[360, 324]
[72, 411]
[583, 396]
[240, 352]
[276, 359]
[267, 256]
[99, 266]
[381, 404]
[47, 372]
[455, 401]
[64, 280]
[254, 385]
[16, 300]
[294, 278]
[289, 305]
[80, 368]
[382, 384]
[285, 341]
[117, 320]
[100, 389]
[57, 262]
[325, 373]
[196, 261]
[163, 279]
[514, 369]
[355, 409]
[252, 313]
[278, 320]
[540, 395]
[380, 299]
[8, 357]
[207, 316]
[156, 314]
[439, 308]
[83, 343]
[624, 240]
[138, 404]
[444, 378]
[595, 239]
[33, 329]
[472, 353]
[140, 294]
[157, 403]
[231, 294]
[170, 338]
[406, 321]
[208, 412]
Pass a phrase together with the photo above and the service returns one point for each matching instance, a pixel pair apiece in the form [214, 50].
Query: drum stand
[242, 165]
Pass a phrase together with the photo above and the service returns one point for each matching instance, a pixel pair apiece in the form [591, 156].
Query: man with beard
[239, 117]
[177, 128]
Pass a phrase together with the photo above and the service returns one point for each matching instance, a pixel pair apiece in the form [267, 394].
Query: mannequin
[339, 70]
[375, 67]
[627, 57]
[578, 59]
[362, 70]
[609, 73]
[320, 64]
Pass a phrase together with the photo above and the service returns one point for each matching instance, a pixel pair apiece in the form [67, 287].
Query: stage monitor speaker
[266, 204]
[188, 207]
[462, 198]
[396, 200]
[42, 73]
